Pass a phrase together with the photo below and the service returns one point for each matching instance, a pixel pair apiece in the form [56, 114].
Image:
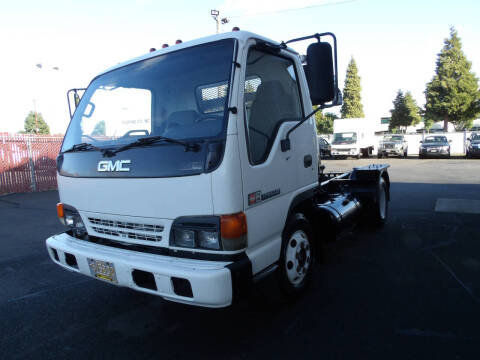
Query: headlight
[227, 232]
[398, 146]
[446, 147]
[208, 240]
[70, 217]
[184, 238]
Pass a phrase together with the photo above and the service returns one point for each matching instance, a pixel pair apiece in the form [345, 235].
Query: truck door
[271, 106]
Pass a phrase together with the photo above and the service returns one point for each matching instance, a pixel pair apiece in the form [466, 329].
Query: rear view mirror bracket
[333, 94]
[76, 99]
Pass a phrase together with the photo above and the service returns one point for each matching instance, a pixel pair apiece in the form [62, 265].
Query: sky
[395, 43]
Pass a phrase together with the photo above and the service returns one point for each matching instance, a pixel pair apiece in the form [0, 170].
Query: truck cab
[353, 137]
[181, 170]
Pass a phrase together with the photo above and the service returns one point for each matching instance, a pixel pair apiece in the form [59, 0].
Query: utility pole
[35, 110]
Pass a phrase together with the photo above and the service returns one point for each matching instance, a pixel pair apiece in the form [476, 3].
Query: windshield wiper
[83, 147]
[151, 140]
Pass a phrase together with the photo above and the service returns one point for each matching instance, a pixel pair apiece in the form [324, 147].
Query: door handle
[307, 161]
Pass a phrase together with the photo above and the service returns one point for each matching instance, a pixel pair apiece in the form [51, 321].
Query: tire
[405, 153]
[379, 213]
[357, 157]
[296, 257]
[379, 155]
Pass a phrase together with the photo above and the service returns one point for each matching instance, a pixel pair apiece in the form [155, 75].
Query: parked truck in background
[353, 137]
[193, 171]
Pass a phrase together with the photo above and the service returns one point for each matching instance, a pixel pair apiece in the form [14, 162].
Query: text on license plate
[103, 270]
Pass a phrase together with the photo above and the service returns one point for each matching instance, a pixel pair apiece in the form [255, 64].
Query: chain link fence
[28, 162]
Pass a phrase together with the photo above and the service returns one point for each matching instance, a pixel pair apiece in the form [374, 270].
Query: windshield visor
[344, 138]
[180, 95]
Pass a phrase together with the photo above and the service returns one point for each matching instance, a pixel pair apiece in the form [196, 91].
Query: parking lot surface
[408, 291]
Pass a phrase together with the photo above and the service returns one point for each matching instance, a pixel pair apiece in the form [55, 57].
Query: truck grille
[121, 230]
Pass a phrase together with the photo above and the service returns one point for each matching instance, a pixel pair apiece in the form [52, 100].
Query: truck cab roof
[241, 36]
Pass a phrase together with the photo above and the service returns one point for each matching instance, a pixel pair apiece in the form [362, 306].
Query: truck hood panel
[165, 198]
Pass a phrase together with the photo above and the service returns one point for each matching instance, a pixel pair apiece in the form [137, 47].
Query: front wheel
[296, 257]
[405, 153]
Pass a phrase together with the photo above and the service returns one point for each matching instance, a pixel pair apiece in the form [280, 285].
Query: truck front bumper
[212, 282]
[345, 151]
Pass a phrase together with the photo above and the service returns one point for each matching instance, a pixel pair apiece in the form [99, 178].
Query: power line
[339, 2]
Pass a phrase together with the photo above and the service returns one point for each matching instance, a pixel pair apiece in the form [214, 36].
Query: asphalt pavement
[408, 291]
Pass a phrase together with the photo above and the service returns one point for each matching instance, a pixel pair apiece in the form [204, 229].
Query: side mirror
[421, 142]
[320, 73]
[468, 139]
[449, 141]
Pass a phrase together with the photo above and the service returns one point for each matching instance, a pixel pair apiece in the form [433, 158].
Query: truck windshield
[435, 139]
[344, 138]
[180, 95]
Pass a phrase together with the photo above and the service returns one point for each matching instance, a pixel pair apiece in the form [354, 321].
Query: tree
[452, 95]
[352, 102]
[324, 122]
[405, 111]
[38, 126]
[99, 128]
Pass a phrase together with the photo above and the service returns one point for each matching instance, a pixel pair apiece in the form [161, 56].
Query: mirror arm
[75, 97]
[285, 143]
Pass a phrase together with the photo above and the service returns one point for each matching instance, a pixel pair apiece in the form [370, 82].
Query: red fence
[28, 162]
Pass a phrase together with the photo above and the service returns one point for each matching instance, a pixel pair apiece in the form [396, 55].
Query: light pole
[215, 15]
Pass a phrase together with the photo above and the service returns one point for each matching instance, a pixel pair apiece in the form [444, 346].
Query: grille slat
[126, 230]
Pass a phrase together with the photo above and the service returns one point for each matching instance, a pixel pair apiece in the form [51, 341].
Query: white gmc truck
[193, 171]
[353, 137]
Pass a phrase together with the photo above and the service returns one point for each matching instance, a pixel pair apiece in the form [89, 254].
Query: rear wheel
[379, 155]
[296, 257]
[380, 206]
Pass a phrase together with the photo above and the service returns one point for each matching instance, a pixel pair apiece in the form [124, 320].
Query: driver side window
[271, 98]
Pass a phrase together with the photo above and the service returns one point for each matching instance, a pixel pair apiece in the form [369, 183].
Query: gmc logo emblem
[108, 165]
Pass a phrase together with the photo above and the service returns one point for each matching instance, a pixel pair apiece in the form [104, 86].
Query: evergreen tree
[99, 128]
[405, 111]
[352, 102]
[35, 127]
[324, 122]
[452, 95]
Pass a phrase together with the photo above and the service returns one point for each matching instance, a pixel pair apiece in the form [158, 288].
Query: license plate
[433, 150]
[102, 270]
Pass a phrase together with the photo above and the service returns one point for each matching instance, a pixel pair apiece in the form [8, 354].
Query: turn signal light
[233, 226]
[60, 211]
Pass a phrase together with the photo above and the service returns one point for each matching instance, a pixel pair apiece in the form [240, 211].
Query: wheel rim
[382, 203]
[298, 257]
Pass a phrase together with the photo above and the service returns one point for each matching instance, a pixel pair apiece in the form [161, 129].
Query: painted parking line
[461, 206]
